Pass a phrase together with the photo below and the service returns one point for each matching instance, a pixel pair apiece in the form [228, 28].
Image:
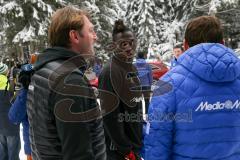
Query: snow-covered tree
[228, 11]
[159, 23]
[109, 12]
[104, 13]
[212, 7]
[141, 18]
[25, 22]
[172, 17]
[123, 4]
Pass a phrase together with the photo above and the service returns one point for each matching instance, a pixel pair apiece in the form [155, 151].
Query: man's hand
[130, 156]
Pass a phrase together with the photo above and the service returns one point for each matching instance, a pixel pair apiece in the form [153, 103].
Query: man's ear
[73, 36]
[185, 45]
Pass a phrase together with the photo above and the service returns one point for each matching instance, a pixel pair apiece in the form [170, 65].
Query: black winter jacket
[65, 120]
[121, 95]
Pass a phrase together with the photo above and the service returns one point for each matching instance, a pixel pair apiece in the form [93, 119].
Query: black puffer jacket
[65, 120]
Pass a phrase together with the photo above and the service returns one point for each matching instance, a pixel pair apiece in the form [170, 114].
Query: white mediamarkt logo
[137, 99]
[205, 106]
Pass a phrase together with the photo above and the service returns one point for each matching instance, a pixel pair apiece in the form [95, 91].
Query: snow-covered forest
[158, 24]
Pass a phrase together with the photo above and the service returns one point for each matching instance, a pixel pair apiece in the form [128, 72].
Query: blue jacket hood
[140, 62]
[211, 62]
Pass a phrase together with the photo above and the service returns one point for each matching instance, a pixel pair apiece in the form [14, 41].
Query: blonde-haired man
[65, 121]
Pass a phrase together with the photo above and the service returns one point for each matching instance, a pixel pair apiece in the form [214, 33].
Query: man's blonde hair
[62, 22]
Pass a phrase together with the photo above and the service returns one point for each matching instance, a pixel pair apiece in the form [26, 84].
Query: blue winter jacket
[144, 72]
[18, 114]
[195, 112]
[97, 68]
[173, 62]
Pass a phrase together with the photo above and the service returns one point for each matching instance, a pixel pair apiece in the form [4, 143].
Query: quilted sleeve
[158, 139]
[17, 112]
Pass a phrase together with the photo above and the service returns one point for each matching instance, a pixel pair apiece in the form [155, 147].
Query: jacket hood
[53, 54]
[212, 62]
[140, 62]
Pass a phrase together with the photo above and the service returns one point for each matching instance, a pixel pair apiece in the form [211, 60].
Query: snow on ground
[22, 155]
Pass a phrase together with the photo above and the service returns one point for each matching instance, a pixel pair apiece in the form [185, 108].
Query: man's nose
[95, 37]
